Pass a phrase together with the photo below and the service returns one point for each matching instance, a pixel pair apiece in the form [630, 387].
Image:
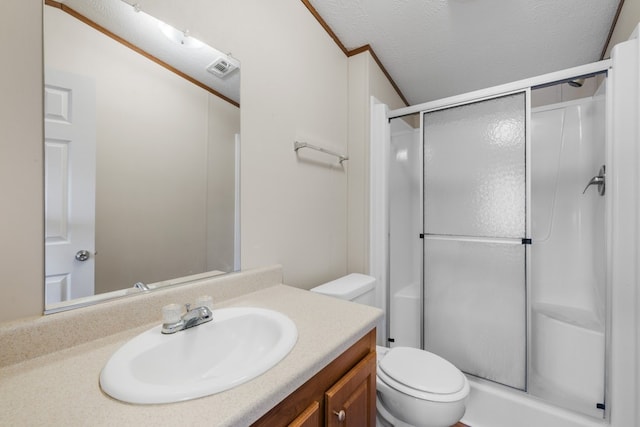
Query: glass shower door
[475, 237]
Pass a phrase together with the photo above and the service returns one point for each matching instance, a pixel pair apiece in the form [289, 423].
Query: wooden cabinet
[309, 418]
[352, 400]
[347, 384]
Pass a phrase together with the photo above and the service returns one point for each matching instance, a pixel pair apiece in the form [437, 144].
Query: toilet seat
[422, 375]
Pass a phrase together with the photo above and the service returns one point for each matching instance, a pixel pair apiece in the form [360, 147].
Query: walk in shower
[498, 239]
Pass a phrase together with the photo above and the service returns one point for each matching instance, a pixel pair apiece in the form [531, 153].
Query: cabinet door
[352, 400]
[310, 417]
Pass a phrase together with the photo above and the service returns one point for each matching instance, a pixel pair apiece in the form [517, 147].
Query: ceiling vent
[223, 66]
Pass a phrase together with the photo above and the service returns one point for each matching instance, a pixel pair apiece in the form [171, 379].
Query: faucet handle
[171, 313]
[205, 301]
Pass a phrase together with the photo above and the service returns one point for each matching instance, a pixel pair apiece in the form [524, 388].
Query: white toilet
[414, 387]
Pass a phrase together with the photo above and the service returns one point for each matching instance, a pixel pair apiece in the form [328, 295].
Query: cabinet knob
[341, 415]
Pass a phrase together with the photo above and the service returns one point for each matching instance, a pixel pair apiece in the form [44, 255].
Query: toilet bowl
[418, 388]
[414, 388]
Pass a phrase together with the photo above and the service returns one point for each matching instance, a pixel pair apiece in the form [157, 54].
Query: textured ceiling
[143, 31]
[433, 49]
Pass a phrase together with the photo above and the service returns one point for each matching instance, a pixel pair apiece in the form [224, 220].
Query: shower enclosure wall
[568, 257]
[498, 249]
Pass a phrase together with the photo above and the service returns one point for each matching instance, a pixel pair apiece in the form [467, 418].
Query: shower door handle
[598, 180]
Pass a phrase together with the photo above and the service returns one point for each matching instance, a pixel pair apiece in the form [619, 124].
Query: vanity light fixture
[181, 37]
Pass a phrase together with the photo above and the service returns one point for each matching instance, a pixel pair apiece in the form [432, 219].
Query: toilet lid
[421, 370]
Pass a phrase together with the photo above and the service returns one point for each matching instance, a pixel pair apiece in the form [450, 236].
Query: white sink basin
[239, 344]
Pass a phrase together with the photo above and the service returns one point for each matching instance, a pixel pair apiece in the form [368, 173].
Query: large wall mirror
[141, 153]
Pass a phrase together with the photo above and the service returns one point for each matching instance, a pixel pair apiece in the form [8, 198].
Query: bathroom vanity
[345, 389]
[49, 366]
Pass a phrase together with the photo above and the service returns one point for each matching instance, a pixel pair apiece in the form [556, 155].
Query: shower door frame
[380, 135]
[526, 91]
[537, 82]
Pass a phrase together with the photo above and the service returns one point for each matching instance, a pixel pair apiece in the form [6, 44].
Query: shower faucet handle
[598, 180]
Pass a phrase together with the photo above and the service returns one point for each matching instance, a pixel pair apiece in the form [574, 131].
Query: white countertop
[62, 388]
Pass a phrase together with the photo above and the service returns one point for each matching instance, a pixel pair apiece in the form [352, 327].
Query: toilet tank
[354, 287]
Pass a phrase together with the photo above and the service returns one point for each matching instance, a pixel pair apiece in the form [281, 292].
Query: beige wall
[21, 132]
[294, 86]
[301, 211]
[627, 22]
[155, 131]
[366, 79]
[294, 83]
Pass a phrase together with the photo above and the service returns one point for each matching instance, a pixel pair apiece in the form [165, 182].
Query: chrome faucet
[598, 180]
[174, 320]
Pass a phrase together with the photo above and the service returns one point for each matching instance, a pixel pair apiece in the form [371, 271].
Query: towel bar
[298, 145]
